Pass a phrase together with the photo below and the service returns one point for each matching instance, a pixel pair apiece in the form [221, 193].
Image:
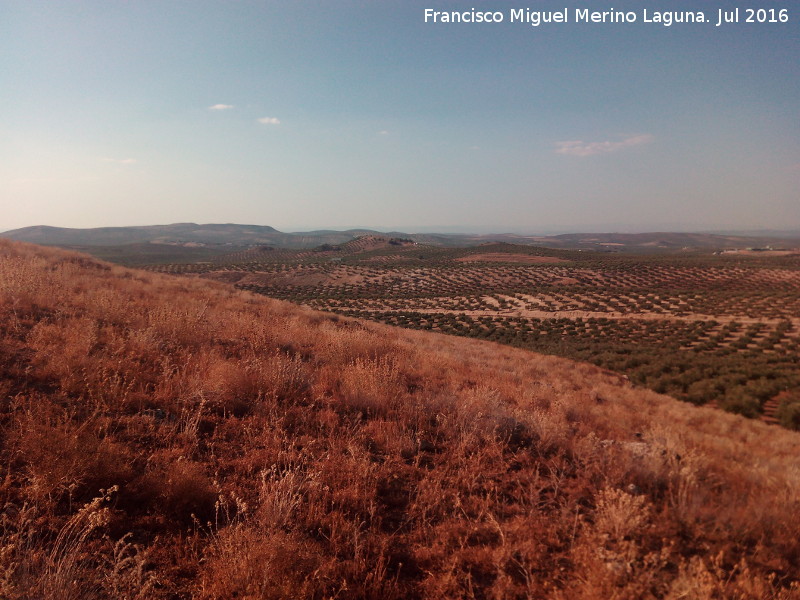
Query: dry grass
[173, 438]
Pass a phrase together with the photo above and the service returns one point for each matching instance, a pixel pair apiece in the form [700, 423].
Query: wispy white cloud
[383, 132]
[120, 161]
[581, 148]
[269, 121]
[220, 107]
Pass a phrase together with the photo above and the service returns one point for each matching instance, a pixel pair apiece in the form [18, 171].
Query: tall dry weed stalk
[29, 570]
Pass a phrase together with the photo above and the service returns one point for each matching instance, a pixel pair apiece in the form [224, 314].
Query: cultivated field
[717, 329]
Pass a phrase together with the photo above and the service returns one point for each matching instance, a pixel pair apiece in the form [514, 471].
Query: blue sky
[333, 114]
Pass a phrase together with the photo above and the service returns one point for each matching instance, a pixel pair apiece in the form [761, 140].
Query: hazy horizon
[449, 230]
[315, 115]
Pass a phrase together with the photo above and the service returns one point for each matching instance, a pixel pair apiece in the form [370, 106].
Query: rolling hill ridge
[229, 234]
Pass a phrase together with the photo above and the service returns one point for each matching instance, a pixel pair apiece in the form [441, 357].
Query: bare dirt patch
[793, 252]
[512, 258]
[387, 258]
[292, 277]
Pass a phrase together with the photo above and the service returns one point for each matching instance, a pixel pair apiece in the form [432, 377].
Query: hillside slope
[118, 239]
[176, 232]
[173, 438]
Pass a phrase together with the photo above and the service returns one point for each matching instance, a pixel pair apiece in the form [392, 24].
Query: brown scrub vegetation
[167, 437]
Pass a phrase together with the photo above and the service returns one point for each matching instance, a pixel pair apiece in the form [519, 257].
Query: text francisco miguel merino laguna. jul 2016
[666, 18]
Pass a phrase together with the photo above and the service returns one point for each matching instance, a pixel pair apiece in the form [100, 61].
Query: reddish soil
[792, 252]
[512, 258]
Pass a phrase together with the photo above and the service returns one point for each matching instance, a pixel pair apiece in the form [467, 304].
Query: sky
[334, 114]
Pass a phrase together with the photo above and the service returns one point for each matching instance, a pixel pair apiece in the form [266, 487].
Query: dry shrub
[62, 350]
[257, 564]
[178, 488]
[62, 459]
[389, 438]
[611, 559]
[280, 496]
[371, 386]
[279, 376]
[70, 568]
[126, 574]
[550, 427]
[620, 515]
[110, 308]
[708, 577]
[348, 341]
[227, 386]
[181, 322]
[25, 284]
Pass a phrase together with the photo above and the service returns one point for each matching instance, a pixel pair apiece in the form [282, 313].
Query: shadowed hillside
[174, 438]
[176, 232]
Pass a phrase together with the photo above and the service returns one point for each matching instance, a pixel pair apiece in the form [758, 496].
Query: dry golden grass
[173, 438]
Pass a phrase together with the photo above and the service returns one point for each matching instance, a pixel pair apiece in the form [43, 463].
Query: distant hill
[188, 235]
[668, 240]
[639, 242]
[227, 235]
[176, 233]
